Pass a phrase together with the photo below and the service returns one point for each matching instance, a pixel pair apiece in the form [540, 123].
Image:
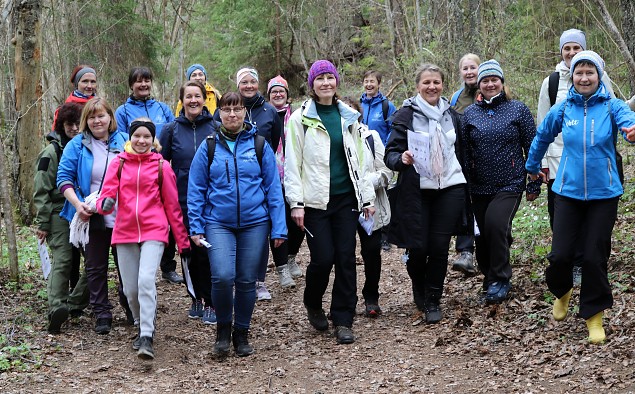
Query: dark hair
[137, 73]
[69, 112]
[192, 83]
[316, 98]
[230, 98]
[351, 102]
[76, 70]
[373, 73]
[428, 67]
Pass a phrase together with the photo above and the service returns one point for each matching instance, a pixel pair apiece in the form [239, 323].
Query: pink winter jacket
[144, 211]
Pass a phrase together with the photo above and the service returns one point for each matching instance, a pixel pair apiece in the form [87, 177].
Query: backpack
[455, 97]
[259, 145]
[121, 161]
[554, 80]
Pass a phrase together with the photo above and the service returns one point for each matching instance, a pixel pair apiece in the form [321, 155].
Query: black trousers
[494, 214]
[199, 268]
[371, 254]
[427, 266]
[587, 225]
[333, 244]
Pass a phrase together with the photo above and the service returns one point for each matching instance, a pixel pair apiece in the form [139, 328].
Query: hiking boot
[57, 318]
[317, 318]
[497, 292]
[172, 277]
[136, 344]
[433, 312]
[561, 306]
[286, 281]
[344, 335]
[223, 338]
[146, 351]
[196, 310]
[465, 263]
[103, 325]
[262, 294]
[76, 313]
[577, 276]
[385, 245]
[596, 331]
[209, 315]
[372, 309]
[241, 342]
[294, 268]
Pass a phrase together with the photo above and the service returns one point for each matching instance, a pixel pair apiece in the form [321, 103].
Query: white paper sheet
[419, 146]
[367, 224]
[44, 258]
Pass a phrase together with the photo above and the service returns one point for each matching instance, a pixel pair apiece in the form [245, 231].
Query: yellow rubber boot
[596, 331]
[561, 306]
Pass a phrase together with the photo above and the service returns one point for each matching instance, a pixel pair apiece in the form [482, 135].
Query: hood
[203, 117]
[311, 116]
[563, 70]
[139, 103]
[150, 156]
[256, 101]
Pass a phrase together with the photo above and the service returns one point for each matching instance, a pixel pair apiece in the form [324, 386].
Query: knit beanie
[277, 81]
[192, 68]
[588, 56]
[322, 67]
[80, 74]
[142, 123]
[243, 72]
[490, 68]
[573, 35]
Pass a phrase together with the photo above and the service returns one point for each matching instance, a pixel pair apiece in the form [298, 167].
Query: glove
[187, 252]
[107, 204]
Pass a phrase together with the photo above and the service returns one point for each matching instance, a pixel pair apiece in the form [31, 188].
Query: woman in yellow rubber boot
[587, 187]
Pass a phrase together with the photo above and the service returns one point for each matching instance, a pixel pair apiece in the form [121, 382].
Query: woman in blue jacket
[498, 132]
[179, 141]
[235, 204]
[81, 171]
[587, 188]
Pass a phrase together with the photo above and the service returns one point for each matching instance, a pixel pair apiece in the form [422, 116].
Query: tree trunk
[28, 94]
[9, 224]
[628, 27]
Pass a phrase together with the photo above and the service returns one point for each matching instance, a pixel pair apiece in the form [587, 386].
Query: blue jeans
[234, 258]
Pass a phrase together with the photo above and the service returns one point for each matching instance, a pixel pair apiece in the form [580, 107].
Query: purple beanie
[322, 67]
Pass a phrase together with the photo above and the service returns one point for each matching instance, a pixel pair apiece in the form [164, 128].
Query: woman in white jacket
[326, 187]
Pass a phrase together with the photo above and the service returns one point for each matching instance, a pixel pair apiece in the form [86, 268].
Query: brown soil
[515, 347]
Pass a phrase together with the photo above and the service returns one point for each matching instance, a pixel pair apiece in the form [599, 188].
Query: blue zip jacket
[158, 112]
[373, 116]
[498, 136]
[264, 117]
[179, 141]
[235, 191]
[76, 166]
[587, 170]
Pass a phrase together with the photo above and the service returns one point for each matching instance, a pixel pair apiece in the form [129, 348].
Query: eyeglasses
[278, 92]
[229, 110]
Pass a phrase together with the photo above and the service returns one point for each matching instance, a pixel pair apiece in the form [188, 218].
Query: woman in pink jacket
[145, 187]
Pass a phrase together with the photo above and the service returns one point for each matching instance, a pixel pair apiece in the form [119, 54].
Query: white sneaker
[294, 268]
[285, 277]
[262, 294]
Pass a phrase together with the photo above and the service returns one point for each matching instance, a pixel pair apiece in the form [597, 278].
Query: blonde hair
[469, 56]
[155, 141]
[93, 105]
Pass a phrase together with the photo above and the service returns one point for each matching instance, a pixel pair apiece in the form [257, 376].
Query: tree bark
[28, 94]
[621, 43]
[628, 27]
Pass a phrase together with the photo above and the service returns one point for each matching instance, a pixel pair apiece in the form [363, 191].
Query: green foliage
[16, 356]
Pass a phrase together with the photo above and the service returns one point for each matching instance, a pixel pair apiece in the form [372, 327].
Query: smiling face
[325, 87]
[141, 140]
[586, 79]
[469, 72]
[98, 123]
[198, 75]
[193, 102]
[248, 86]
[87, 84]
[371, 86]
[490, 87]
[569, 50]
[278, 96]
[232, 117]
[71, 129]
[430, 86]
[141, 88]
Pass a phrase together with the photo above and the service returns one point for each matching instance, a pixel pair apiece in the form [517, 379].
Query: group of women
[255, 174]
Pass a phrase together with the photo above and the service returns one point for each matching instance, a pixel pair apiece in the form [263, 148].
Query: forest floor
[515, 347]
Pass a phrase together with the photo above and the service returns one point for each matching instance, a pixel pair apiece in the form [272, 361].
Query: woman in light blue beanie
[587, 188]
[196, 72]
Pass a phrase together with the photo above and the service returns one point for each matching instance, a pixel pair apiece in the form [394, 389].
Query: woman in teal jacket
[587, 187]
[235, 202]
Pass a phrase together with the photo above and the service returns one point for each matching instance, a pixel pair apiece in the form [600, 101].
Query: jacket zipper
[592, 134]
[237, 191]
[227, 170]
[194, 132]
[137, 203]
[585, 147]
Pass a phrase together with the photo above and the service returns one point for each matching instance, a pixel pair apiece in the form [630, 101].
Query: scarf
[230, 135]
[437, 127]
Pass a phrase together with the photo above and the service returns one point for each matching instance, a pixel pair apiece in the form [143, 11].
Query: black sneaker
[103, 325]
[433, 312]
[172, 277]
[146, 351]
[372, 309]
[240, 338]
[385, 245]
[317, 318]
[57, 318]
[344, 335]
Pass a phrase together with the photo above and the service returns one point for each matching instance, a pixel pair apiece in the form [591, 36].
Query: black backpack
[259, 145]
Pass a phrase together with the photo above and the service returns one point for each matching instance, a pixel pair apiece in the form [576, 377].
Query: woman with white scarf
[431, 189]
